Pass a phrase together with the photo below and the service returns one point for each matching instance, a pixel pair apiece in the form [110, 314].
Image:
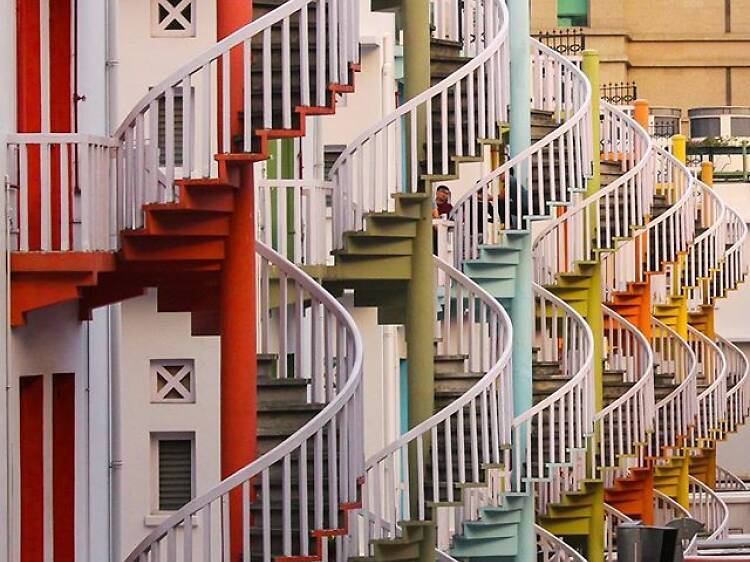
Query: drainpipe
[114, 319]
[112, 62]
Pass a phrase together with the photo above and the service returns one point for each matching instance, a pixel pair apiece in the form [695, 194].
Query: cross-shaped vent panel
[173, 380]
[173, 18]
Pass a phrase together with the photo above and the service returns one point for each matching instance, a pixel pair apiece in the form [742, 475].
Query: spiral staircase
[629, 397]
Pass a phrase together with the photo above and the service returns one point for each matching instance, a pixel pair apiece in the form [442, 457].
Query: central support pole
[420, 304]
[238, 351]
[522, 307]
[595, 316]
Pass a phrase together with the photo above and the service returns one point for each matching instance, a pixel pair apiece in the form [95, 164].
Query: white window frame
[159, 29]
[157, 369]
[155, 437]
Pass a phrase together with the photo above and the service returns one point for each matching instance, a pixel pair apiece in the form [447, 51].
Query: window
[573, 13]
[177, 129]
[705, 127]
[173, 380]
[173, 18]
[175, 461]
[740, 127]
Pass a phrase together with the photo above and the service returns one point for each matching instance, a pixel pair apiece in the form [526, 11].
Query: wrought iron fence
[569, 42]
[623, 93]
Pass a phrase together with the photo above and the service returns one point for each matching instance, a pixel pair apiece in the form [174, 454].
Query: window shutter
[177, 129]
[175, 473]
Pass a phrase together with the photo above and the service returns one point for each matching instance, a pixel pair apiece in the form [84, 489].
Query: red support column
[63, 465]
[238, 350]
[31, 390]
[231, 15]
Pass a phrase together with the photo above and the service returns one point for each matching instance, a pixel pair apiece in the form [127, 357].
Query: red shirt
[444, 208]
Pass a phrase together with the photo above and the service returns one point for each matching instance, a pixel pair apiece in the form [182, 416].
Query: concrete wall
[144, 60]
[148, 335]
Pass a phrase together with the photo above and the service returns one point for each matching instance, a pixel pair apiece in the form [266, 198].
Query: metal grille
[624, 93]
[568, 42]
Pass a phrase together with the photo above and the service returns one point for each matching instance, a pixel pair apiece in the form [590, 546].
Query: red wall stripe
[32, 468]
[63, 463]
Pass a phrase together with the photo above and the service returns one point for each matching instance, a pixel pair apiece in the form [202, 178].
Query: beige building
[680, 53]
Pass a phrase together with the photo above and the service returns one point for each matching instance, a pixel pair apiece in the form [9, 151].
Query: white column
[8, 503]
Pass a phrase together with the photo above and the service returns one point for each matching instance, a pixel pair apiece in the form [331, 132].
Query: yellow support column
[707, 173]
[679, 151]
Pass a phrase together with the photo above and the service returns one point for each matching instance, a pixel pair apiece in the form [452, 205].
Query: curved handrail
[738, 379]
[713, 370]
[672, 232]
[706, 506]
[665, 510]
[553, 549]
[584, 229]
[728, 481]
[707, 251]
[675, 413]
[567, 148]
[612, 518]
[343, 406]
[733, 266]
[386, 158]
[392, 476]
[210, 113]
[565, 418]
[626, 422]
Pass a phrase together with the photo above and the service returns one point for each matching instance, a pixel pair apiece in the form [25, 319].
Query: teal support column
[420, 303]
[522, 307]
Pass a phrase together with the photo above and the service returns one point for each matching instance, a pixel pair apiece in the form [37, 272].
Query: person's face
[441, 196]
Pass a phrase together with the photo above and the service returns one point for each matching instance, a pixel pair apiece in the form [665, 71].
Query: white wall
[148, 335]
[145, 61]
[732, 313]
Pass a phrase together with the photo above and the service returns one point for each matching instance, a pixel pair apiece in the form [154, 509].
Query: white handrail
[712, 371]
[405, 477]
[708, 507]
[519, 187]
[71, 173]
[564, 420]
[738, 379]
[612, 518]
[733, 264]
[552, 549]
[387, 158]
[727, 481]
[336, 375]
[298, 28]
[302, 230]
[676, 413]
[665, 510]
[587, 228]
[672, 232]
[624, 424]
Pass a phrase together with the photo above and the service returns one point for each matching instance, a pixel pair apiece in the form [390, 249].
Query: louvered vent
[177, 129]
[175, 473]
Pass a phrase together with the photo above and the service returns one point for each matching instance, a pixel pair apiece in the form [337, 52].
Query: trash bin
[643, 543]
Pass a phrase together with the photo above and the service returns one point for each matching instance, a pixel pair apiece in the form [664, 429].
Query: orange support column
[238, 350]
[231, 15]
[63, 465]
[31, 449]
[641, 113]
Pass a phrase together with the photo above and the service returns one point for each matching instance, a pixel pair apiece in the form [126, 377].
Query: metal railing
[555, 430]
[552, 549]
[546, 173]
[706, 506]
[292, 218]
[727, 481]
[62, 199]
[622, 93]
[738, 379]
[602, 220]
[328, 352]
[712, 375]
[612, 518]
[676, 413]
[569, 42]
[625, 424]
[449, 118]
[430, 462]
